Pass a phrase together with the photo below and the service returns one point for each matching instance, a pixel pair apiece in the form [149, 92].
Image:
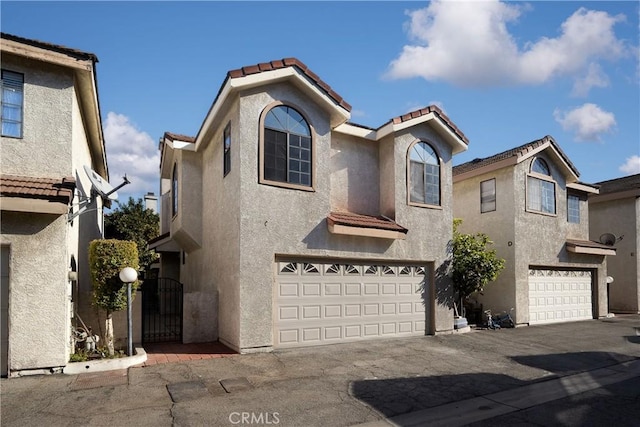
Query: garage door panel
[346, 302]
[559, 296]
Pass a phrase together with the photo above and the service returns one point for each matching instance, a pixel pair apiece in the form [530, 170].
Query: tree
[106, 259]
[473, 265]
[135, 223]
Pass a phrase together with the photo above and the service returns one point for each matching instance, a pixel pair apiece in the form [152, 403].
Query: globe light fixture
[129, 275]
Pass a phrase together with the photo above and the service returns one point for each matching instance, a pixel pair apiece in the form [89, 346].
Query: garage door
[323, 303]
[559, 296]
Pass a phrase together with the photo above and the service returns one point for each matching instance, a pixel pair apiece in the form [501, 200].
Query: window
[227, 149]
[287, 148]
[174, 190]
[424, 175]
[541, 189]
[12, 102]
[573, 208]
[488, 195]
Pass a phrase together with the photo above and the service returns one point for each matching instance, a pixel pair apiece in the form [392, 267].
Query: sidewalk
[448, 380]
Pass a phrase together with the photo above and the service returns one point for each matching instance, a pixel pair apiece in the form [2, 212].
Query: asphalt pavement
[574, 374]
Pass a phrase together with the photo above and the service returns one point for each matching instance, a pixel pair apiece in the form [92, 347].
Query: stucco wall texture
[246, 225]
[526, 239]
[620, 217]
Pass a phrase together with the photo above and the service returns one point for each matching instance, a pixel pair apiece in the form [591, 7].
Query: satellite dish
[102, 187]
[608, 239]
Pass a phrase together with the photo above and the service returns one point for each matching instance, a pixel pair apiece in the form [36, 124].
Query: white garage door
[559, 296]
[323, 303]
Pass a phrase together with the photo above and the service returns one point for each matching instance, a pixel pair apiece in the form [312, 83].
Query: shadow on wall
[321, 238]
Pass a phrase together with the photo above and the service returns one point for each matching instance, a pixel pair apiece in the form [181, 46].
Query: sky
[506, 73]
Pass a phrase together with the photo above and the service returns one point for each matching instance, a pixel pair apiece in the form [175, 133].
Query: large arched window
[287, 149]
[174, 190]
[541, 188]
[424, 175]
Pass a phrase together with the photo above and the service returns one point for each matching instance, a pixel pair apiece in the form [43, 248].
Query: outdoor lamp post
[129, 275]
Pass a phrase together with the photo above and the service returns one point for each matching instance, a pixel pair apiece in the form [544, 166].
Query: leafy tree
[473, 265]
[133, 222]
[106, 259]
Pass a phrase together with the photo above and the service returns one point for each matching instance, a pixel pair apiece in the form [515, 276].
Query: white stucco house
[529, 201]
[51, 128]
[616, 211]
[289, 225]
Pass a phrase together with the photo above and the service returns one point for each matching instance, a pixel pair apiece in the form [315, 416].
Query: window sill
[286, 185]
[541, 213]
[424, 205]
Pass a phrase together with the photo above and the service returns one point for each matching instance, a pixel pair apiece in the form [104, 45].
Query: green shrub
[106, 259]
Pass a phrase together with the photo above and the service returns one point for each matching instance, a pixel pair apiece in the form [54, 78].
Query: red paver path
[177, 352]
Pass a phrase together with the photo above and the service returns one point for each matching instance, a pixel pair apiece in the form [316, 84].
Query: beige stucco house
[531, 204]
[616, 210]
[51, 128]
[291, 226]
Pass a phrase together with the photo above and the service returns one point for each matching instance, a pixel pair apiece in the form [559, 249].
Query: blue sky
[506, 73]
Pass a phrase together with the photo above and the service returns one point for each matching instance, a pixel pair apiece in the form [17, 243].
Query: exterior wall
[47, 125]
[546, 246]
[526, 239]
[499, 225]
[278, 221]
[622, 218]
[38, 290]
[355, 176]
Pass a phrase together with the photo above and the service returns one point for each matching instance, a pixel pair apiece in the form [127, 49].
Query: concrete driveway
[400, 381]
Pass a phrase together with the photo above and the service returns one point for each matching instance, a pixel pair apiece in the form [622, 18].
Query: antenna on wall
[99, 187]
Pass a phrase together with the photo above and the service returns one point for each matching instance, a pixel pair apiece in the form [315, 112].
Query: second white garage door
[559, 296]
[322, 303]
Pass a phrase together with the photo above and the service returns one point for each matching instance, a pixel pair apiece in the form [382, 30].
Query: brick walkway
[174, 352]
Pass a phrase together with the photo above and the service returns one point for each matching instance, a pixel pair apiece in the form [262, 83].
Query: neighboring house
[531, 204]
[290, 226]
[616, 210]
[51, 128]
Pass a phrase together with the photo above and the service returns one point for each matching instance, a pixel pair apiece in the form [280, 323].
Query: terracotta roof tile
[179, 137]
[513, 152]
[432, 109]
[631, 182]
[75, 53]
[289, 62]
[365, 221]
[51, 189]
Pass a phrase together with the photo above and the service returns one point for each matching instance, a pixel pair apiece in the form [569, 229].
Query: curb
[76, 368]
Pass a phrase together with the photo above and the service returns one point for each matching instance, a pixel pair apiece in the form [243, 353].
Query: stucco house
[291, 226]
[51, 128]
[616, 210]
[529, 201]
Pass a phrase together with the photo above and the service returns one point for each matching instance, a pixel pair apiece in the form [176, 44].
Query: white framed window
[541, 188]
[12, 103]
[174, 190]
[286, 149]
[226, 141]
[573, 208]
[423, 175]
[488, 195]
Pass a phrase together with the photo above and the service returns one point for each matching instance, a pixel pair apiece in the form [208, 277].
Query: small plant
[81, 355]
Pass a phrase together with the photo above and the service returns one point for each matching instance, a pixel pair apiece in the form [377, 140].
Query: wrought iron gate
[161, 310]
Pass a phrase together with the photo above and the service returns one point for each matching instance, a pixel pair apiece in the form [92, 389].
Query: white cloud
[469, 44]
[595, 77]
[631, 166]
[588, 122]
[132, 152]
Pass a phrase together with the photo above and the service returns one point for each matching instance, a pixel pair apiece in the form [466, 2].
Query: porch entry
[4, 321]
[161, 310]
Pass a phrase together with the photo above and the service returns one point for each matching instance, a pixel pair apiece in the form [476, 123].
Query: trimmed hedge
[107, 257]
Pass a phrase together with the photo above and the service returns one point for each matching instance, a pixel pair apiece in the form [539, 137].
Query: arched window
[174, 190]
[541, 188]
[287, 150]
[424, 175]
